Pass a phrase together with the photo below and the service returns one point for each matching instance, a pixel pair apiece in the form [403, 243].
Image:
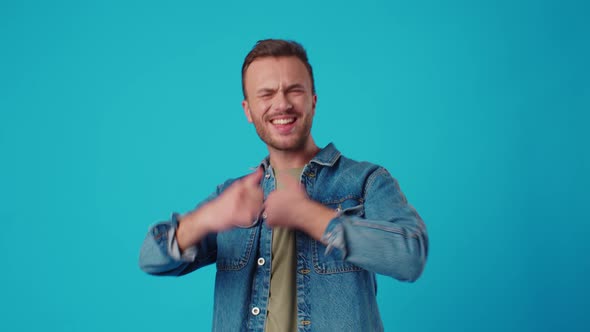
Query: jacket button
[267, 175]
[261, 261]
[255, 311]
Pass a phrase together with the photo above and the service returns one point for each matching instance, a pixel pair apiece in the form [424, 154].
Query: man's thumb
[254, 177]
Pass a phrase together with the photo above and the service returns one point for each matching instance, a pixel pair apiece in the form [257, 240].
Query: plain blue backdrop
[114, 114]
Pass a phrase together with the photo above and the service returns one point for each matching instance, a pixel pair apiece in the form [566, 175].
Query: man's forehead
[266, 68]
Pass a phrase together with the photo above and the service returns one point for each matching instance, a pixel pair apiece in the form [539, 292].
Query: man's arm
[389, 239]
[161, 254]
[187, 243]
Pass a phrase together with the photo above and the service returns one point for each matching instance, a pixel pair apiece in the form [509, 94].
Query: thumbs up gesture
[240, 204]
[237, 206]
[290, 207]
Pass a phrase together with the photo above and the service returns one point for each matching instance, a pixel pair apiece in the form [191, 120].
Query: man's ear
[247, 110]
[314, 101]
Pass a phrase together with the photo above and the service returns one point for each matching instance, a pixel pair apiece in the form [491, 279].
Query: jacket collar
[326, 157]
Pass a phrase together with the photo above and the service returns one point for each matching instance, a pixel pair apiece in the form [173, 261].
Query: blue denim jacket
[375, 231]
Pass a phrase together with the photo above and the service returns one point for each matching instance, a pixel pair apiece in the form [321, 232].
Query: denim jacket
[375, 231]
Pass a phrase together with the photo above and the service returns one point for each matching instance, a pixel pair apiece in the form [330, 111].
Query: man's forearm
[192, 227]
[316, 220]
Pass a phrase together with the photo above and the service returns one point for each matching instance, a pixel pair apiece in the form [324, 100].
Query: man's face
[280, 102]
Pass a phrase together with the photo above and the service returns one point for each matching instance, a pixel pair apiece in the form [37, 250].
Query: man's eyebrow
[288, 88]
[264, 90]
[295, 86]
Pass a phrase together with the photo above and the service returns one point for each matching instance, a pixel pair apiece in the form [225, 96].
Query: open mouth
[284, 121]
[284, 124]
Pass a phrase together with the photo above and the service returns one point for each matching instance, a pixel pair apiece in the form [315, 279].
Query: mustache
[281, 113]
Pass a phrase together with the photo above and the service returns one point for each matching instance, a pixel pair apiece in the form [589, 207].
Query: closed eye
[265, 94]
[296, 89]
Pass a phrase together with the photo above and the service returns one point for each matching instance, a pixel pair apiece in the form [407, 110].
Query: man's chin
[287, 145]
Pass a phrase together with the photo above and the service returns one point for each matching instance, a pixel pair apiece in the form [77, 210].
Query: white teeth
[283, 121]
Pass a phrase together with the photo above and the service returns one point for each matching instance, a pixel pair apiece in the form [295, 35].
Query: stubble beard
[296, 140]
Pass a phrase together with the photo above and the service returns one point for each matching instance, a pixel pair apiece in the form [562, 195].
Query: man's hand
[290, 207]
[239, 205]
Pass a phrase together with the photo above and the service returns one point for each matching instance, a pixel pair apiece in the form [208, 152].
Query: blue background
[113, 114]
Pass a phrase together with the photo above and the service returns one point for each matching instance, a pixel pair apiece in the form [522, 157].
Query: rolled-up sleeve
[160, 254]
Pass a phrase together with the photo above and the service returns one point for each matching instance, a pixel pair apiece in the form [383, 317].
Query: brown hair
[276, 48]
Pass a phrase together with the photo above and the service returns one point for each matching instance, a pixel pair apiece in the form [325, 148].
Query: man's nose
[281, 102]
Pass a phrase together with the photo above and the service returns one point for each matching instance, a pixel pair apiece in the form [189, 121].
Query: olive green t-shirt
[282, 303]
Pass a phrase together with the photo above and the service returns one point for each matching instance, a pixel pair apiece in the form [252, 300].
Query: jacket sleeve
[389, 239]
[160, 254]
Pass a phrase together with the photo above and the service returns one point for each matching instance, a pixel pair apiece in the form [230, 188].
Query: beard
[293, 141]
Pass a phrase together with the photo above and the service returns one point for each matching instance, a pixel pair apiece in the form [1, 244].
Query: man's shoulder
[331, 157]
[350, 175]
[346, 164]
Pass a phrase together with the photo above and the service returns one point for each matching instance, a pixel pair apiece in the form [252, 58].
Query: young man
[296, 243]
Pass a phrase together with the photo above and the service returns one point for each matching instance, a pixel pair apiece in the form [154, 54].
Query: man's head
[276, 48]
[279, 94]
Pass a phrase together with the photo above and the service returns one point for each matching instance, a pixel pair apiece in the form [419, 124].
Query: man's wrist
[192, 227]
[317, 219]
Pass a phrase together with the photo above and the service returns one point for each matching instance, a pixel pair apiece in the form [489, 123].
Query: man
[296, 243]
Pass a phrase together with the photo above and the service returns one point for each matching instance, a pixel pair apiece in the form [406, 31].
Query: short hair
[276, 48]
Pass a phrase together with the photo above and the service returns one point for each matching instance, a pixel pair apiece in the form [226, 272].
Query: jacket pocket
[333, 262]
[234, 248]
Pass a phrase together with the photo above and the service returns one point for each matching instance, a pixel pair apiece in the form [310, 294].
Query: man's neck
[280, 159]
